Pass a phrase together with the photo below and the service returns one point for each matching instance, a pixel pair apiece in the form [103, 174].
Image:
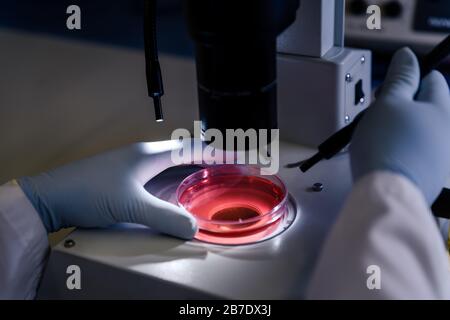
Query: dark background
[117, 22]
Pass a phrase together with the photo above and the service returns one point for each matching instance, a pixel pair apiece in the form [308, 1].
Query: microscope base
[134, 262]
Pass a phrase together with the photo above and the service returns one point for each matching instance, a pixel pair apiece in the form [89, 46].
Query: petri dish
[233, 204]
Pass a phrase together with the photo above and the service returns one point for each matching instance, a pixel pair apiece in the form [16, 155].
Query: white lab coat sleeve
[23, 244]
[385, 245]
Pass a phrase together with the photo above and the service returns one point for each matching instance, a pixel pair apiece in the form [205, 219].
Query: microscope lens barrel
[237, 84]
[235, 52]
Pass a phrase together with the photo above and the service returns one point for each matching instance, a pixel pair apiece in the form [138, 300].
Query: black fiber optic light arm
[152, 67]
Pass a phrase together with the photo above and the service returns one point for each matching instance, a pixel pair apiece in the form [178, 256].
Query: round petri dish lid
[233, 201]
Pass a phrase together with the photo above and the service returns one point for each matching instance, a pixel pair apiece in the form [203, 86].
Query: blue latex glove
[107, 189]
[405, 133]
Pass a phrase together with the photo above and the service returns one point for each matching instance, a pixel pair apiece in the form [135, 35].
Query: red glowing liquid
[233, 205]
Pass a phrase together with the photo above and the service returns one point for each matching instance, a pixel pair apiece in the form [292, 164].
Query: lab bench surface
[62, 100]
